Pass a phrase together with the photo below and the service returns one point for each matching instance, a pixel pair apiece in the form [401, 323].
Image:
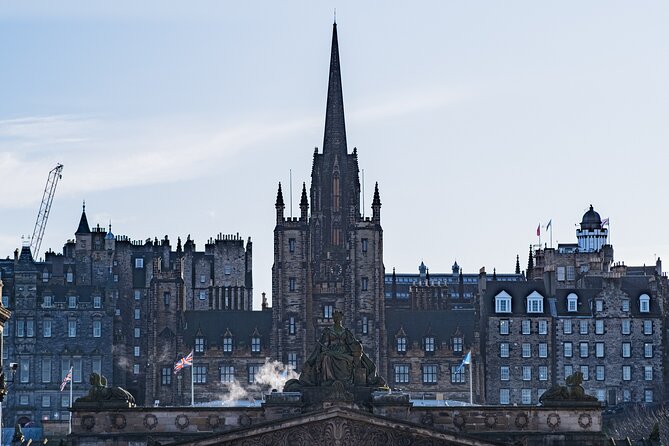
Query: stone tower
[332, 258]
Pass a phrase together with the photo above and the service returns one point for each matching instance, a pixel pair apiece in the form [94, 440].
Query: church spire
[335, 129]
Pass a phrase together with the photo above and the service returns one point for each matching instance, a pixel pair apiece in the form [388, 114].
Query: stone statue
[338, 356]
[573, 391]
[18, 437]
[99, 393]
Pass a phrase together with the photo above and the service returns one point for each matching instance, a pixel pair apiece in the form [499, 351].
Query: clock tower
[330, 258]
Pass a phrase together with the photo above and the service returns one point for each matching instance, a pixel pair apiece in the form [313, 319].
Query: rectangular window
[626, 349]
[30, 328]
[647, 350]
[599, 373]
[137, 332]
[429, 374]
[167, 296]
[202, 295]
[567, 348]
[402, 374]
[585, 370]
[504, 396]
[71, 329]
[599, 349]
[135, 369]
[24, 370]
[291, 284]
[203, 278]
[199, 344]
[504, 373]
[46, 328]
[583, 349]
[364, 284]
[365, 325]
[527, 350]
[526, 327]
[291, 325]
[364, 245]
[46, 401]
[255, 344]
[566, 326]
[583, 327]
[526, 396]
[599, 326]
[599, 305]
[291, 245]
[138, 294]
[504, 326]
[457, 344]
[543, 327]
[227, 344]
[457, 374]
[543, 350]
[97, 329]
[97, 301]
[199, 374]
[139, 263]
[504, 350]
[401, 344]
[69, 277]
[560, 273]
[327, 311]
[165, 376]
[137, 313]
[429, 344]
[46, 370]
[647, 327]
[252, 371]
[543, 373]
[20, 328]
[48, 302]
[527, 373]
[64, 401]
[626, 327]
[568, 370]
[648, 373]
[227, 373]
[626, 305]
[136, 350]
[627, 373]
[571, 273]
[96, 365]
[292, 360]
[648, 396]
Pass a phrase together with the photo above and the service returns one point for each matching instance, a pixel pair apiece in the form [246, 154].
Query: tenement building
[579, 312]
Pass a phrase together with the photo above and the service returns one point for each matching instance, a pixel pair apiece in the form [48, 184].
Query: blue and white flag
[466, 361]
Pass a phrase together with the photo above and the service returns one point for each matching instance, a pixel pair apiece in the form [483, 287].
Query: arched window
[336, 193]
[572, 302]
[644, 303]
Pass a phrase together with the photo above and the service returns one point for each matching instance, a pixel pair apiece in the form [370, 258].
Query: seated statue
[338, 356]
[100, 393]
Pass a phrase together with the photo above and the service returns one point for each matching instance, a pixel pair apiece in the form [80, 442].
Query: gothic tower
[332, 258]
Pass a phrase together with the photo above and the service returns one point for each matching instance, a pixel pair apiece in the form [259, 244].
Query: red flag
[538, 230]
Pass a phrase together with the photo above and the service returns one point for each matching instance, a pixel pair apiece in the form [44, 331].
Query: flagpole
[471, 392]
[69, 431]
[192, 384]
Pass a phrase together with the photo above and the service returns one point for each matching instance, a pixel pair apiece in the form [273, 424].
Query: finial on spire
[83, 207]
[335, 16]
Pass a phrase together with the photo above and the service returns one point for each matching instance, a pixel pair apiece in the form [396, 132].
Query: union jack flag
[67, 379]
[184, 362]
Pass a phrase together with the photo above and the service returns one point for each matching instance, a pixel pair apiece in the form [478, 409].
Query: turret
[280, 206]
[304, 204]
[376, 205]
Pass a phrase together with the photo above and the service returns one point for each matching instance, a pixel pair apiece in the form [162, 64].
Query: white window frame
[644, 303]
[572, 302]
[503, 302]
[535, 303]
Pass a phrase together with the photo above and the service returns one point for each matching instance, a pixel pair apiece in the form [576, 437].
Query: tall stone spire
[335, 129]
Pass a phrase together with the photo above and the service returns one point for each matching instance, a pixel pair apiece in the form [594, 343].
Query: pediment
[339, 426]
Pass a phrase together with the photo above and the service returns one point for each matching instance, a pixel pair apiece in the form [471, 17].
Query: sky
[479, 120]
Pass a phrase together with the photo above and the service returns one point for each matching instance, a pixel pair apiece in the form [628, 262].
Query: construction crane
[43, 215]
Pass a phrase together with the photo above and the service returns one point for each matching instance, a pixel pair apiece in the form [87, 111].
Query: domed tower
[592, 235]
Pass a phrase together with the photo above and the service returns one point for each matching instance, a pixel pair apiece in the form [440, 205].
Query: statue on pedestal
[338, 357]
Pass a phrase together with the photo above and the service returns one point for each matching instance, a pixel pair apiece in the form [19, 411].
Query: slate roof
[214, 323]
[518, 292]
[442, 324]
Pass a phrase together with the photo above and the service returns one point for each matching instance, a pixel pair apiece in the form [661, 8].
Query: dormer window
[428, 343]
[97, 301]
[401, 344]
[457, 344]
[535, 303]
[69, 277]
[45, 276]
[199, 344]
[227, 344]
[644, 303]
[572, 301]
[255, 344]
[503, 302]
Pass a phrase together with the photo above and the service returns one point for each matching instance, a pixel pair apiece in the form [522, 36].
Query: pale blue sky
[479, 120]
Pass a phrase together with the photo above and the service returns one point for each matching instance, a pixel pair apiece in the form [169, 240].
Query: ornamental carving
[491, 421]
[150, 421]
[244, 420]
[585, 420]
[213, 421]
[118, 421]
[427, 419]
[522, 420]
[459, 421]
[88, 422]
[181, 421]
[553, 420]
